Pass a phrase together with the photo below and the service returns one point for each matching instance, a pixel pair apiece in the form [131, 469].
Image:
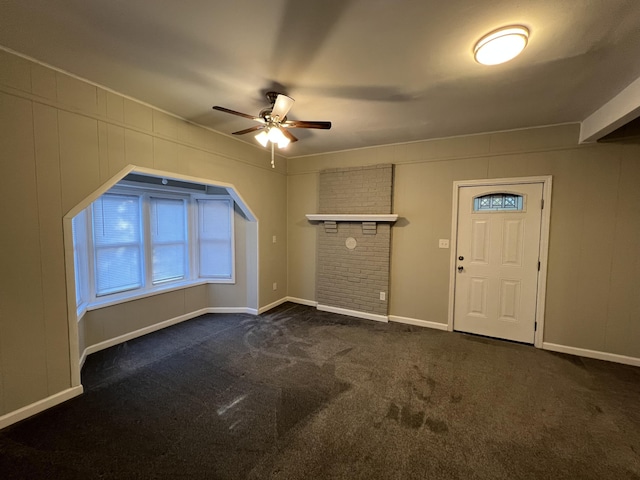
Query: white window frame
[81, 261]
[192, 274]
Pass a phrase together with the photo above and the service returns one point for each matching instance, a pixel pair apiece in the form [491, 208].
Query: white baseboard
[250, 311]
[353, 313]
[266, 308]
[39, 406]
[302, 301]
[418, 323]
[583, 352]
[83, 358]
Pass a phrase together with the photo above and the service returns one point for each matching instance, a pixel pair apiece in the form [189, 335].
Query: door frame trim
[546, 181]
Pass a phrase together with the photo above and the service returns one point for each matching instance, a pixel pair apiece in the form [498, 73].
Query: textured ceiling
[383, 71]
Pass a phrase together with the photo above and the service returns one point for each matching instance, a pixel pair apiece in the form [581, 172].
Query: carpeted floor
[301, 394]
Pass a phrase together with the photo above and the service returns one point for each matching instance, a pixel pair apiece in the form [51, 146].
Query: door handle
[460, 268]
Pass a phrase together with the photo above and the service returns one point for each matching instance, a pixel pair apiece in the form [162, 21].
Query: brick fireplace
[353, 255]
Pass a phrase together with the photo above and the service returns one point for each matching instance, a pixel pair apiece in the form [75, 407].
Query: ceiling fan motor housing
[272, 96]
[265, 113]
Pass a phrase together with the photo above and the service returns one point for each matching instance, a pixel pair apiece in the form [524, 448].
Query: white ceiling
[383, 71]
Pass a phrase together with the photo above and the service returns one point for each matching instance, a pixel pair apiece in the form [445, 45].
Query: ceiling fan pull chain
[273, 158]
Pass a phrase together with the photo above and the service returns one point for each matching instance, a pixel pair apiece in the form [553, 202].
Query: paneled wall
[593, 289]
[61, 139]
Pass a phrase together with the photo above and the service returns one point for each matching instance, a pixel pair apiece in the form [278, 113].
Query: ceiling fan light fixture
[501, 45]
[263, 138]
[283, 142]
[275, 135]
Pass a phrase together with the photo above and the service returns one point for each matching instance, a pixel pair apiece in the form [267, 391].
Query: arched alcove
[107, 323]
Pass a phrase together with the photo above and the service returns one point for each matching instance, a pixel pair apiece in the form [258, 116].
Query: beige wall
[303, 193]
[61, 139]
[593, 289]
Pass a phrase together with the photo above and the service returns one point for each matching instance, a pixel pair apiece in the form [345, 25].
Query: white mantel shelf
[357, 217]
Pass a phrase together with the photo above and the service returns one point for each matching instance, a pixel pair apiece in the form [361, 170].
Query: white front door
[497, 255]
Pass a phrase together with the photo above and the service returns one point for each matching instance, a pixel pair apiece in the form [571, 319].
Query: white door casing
[499, 290]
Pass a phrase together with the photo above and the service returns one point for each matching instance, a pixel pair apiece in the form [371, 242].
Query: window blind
[168, 239]
[215, 236]
[117, 243]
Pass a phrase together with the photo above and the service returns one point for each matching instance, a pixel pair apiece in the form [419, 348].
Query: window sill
[129, 296]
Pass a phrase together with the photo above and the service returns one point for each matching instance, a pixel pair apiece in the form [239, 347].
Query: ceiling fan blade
[282, 106]
[249, 130]
[289, 135]
[305, 124]
[240, 114]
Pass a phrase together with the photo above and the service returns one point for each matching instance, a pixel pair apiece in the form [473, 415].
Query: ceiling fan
[273, 122]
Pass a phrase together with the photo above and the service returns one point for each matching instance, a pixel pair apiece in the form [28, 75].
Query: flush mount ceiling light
[501, 45]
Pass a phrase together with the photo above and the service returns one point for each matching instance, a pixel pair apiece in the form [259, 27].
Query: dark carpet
[301, 394]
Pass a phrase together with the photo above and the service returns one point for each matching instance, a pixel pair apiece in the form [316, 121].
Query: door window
[498, 202]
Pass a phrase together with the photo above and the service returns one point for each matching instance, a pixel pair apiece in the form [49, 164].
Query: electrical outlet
[274, 239]
[275, 286]
[383, 296]
[443, 243]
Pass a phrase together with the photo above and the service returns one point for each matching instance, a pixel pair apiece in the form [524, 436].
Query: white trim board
[250, 311]
[417, 322]
[622, 108]
[348, 217]
[340, 311]
[353, 313]
[302, 301]
[583, 352]
[266, 308]
[39, 406]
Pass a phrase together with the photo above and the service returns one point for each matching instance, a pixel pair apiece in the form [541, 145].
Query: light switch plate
[443, 243]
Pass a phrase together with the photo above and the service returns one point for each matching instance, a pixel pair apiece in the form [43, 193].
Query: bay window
[133, 241]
